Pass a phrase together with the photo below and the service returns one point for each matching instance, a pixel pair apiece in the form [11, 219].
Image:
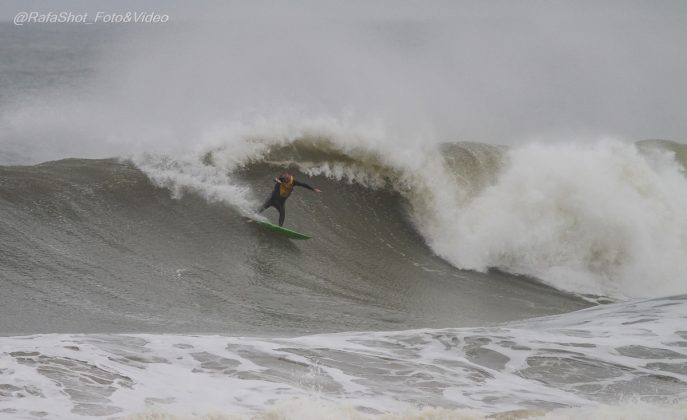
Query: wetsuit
[281, 192]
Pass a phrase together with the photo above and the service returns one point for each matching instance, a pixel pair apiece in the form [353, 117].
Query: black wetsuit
[279, 202]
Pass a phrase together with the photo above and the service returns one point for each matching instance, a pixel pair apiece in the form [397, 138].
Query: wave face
[94, 246]
[624, 360]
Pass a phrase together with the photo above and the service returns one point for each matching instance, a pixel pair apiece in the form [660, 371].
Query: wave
[595, 219]
[96, 237]
[601, 218]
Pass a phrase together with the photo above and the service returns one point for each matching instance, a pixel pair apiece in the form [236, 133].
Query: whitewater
[501, 231]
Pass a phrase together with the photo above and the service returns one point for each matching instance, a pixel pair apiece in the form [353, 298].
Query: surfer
[282, 190]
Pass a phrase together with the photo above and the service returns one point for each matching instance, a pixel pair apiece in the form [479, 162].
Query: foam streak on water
[615, 354]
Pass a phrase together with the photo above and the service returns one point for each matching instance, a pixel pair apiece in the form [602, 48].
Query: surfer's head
[285, 177]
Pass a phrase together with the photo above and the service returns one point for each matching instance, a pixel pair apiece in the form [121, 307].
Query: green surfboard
[282, 230]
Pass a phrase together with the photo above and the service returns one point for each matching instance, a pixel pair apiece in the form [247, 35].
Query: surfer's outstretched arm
[304, 185]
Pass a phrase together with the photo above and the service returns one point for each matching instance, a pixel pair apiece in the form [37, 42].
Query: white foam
[596, 218]
[605, 361]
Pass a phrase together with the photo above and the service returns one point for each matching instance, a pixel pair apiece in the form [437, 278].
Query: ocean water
[445, 278]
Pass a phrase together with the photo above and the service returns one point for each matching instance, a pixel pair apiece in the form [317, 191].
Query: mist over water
[495, 73]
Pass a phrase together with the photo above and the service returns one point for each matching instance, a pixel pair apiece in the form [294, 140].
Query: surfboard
[282, 230]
